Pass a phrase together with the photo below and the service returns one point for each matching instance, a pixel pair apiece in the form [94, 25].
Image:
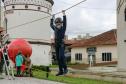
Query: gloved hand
[63, 11]
[53, 16]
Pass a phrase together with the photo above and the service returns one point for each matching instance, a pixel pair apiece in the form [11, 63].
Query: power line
[46, 16]
[28, 22]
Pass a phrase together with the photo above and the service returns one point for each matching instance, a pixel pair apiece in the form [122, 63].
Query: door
[93, 58]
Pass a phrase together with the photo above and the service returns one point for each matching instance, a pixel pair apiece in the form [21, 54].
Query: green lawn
[53, 66]
[69, 80]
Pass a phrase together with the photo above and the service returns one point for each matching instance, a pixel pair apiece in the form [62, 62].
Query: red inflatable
[19, 45]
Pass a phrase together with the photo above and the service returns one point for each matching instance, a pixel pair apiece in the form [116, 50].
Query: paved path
[27, 81]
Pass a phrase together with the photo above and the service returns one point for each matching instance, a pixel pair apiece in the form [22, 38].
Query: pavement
[27, 80]
[98, 73]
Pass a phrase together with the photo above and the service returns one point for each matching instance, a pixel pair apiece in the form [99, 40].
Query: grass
[68, 80]
[68, 65]
[1, 78]
[53, 66]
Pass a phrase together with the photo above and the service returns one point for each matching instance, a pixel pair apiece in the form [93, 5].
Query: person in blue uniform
[59, 30]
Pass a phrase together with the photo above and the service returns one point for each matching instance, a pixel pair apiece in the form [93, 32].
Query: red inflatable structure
[19, 45]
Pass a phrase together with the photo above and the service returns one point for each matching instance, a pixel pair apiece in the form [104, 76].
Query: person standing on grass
[59, 30]
[19, 62]
[28, 65]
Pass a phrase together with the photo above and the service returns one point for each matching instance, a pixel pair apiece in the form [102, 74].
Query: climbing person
[59, 30]
[19, 62]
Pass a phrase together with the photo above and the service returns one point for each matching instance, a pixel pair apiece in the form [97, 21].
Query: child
[19, 62]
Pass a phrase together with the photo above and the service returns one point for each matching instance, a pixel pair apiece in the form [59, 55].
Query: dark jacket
[59, 33]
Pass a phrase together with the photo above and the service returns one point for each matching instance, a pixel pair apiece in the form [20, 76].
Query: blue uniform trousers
[61, 57]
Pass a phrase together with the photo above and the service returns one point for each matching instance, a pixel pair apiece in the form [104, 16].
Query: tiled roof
[106, 38]
[67, 42]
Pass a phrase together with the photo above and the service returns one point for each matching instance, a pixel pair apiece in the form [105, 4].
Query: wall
[79, 50]
[121, 34]
[106, 49]
[37, 30]
[41, 55]
[100, 50]
[20, 15]
[2, 18]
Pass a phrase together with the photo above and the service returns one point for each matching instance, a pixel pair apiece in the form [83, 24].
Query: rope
[46, 16]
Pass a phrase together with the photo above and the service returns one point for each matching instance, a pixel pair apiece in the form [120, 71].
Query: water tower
[37, 33]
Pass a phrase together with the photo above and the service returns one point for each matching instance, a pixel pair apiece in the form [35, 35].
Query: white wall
[41, 55]
[2, 20]
[20, 15]
[121, 25]
[106, 49]
[100, 49]
[37, 30]
[79, 50]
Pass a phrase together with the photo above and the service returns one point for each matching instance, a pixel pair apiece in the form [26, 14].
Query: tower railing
[27, 2]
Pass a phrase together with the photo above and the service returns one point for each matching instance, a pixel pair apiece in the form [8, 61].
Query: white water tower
[37, 33]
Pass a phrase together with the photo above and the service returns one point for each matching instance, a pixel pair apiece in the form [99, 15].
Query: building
[81, 37]
[2, 19]
[21, 18]
[121, 34]
[68, 43]
[102, 48]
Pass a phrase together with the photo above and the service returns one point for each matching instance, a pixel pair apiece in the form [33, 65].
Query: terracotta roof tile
[67, 42]
[106, 38]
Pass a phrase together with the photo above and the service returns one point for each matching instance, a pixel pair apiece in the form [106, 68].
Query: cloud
[93, 16]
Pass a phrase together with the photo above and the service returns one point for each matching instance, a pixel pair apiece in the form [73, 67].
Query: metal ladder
[10, 67]
[4, 51]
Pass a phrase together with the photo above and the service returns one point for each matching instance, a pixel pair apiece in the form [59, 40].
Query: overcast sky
[92, 16]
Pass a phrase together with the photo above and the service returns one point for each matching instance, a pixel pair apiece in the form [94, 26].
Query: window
[91, 49]
[26, 6]
[106, 56]
[13, 7]
[78, 56]
[39, 8]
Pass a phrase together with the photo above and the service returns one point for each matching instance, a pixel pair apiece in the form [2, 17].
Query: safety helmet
[58, 20]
